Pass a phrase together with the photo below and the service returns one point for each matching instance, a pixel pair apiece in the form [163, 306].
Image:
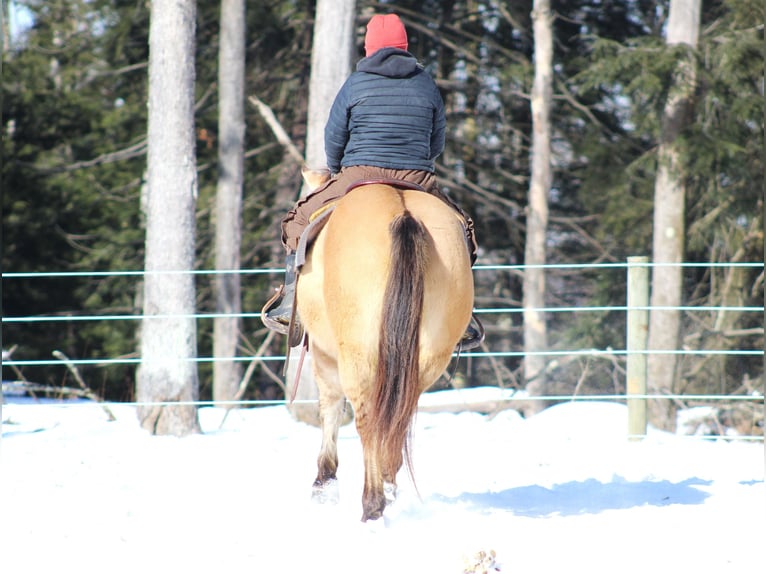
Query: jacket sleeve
[439, 125]
[336, 130]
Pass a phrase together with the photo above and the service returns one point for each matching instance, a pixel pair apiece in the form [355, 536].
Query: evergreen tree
[73, 103]
[720, 147]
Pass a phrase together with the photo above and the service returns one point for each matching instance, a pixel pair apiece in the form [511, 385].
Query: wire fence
[71, 317]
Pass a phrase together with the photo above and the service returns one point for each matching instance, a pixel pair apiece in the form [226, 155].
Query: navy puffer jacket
[389, 113]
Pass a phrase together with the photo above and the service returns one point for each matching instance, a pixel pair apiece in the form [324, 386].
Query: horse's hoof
[326, 492]
[372, 515]
[372, 507]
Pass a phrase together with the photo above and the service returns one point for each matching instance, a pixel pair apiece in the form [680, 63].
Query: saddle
[319, 218]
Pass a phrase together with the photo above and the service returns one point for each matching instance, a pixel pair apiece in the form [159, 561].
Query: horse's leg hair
[331, 410]
[373, 495]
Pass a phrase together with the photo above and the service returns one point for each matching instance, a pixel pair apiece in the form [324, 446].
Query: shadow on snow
[583, 497]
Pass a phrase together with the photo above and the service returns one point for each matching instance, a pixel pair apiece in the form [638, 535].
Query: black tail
[396, 390]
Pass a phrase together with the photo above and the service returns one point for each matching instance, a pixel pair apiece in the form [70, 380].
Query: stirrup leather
[295, 330]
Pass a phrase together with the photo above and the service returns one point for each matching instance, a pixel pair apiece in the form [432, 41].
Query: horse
[385, 295]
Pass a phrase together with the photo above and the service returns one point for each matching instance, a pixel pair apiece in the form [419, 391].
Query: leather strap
[400, 183]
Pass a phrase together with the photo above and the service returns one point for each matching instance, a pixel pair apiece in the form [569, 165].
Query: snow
[562, 491]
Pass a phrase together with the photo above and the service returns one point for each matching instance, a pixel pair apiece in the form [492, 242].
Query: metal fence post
[637, 335]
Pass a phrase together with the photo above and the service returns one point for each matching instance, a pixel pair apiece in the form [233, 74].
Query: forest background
[74, 123]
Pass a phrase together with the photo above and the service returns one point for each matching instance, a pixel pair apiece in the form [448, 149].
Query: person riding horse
[387, 122]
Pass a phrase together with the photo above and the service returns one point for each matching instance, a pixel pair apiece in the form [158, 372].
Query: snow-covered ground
[563, 491]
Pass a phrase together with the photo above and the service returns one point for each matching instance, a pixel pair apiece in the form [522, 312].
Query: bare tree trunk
[331, 61]
[669, 216]
[5, 28]
[535, 330]
[168, 372]
[330, 66]
[228, 228]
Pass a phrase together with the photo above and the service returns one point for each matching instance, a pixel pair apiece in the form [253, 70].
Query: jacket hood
[390, 62]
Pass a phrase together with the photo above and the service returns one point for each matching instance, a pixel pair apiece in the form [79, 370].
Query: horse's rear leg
[373, 497]
[331, 412]
[380, 470]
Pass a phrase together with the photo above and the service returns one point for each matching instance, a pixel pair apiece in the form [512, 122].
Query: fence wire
[519, 396]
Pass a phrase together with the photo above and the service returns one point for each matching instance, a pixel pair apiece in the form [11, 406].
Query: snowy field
[563, 491]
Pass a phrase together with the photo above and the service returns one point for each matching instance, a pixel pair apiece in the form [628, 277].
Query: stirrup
[293, 329]
[474, 335]
[270, 322]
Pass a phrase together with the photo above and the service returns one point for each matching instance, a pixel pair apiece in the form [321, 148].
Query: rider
[387, 122]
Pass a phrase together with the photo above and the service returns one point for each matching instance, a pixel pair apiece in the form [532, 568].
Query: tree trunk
[331, 61]
[228, 220]
[669, 220]
[535, 330]
[168, 372]
[330, 66]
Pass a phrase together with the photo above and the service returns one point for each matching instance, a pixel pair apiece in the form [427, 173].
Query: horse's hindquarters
[448, 298]
[342, 286]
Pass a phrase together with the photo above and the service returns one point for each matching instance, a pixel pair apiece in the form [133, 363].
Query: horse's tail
[397, 381]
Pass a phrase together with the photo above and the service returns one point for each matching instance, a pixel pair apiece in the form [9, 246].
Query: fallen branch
[276, 127]
[251, 367]
[87, 392]
[249, 373]
[10, 387]
[482, 407]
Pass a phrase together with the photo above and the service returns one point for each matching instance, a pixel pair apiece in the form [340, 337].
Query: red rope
[304, 348]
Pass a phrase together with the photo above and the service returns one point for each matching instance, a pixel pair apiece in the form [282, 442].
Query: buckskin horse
[385, 295]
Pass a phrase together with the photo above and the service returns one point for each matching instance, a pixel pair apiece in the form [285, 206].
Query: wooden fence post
[638, 330]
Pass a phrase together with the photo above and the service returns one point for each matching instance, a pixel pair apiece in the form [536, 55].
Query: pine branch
[488, 196]
[588, 238]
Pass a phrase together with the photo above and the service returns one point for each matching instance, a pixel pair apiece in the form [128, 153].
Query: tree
[228, 219]
[74, 123]
[670, 214]
[721, 157]
[330, 65]
[74, 136]
[331, 60]
[168, 371]
[535, 331]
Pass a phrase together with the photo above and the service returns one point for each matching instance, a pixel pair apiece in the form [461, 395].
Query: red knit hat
[384, 31]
